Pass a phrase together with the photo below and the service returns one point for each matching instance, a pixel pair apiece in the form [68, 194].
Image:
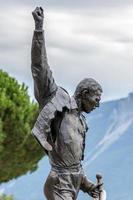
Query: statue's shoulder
[60, 100]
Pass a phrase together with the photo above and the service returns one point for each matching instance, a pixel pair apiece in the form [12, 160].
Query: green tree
[19, 152]
[5, 197]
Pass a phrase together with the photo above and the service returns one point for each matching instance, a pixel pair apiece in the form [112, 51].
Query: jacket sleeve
[42, 128]
[44, 84]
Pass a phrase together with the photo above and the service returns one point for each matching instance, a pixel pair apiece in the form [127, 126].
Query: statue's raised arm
[44, 85]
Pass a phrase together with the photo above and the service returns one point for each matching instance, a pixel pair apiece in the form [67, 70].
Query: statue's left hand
[95, 190]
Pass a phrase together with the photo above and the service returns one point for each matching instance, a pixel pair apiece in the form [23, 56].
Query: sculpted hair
[88, 84]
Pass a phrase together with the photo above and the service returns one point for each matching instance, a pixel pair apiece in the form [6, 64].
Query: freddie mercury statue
[61, 127]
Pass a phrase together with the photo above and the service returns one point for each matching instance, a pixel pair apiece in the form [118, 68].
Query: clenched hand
[38, 18]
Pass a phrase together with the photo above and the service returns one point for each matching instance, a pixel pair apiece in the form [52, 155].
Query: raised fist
[38, 17]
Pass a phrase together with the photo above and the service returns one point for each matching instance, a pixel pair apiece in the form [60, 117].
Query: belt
[67, 169]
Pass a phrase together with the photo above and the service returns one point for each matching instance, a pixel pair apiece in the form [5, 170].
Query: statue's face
[90, 100]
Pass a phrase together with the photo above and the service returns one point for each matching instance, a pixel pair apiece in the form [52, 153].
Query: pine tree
[19, 152]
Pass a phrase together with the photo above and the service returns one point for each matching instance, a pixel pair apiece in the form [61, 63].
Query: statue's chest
[72, 128]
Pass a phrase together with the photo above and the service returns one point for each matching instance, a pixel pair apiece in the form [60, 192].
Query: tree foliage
[5, 197]
[19, 152]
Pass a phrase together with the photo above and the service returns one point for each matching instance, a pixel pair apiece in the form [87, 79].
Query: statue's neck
[78, 102]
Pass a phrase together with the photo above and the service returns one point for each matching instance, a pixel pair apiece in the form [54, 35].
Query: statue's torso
[68, 146]
[67, 130]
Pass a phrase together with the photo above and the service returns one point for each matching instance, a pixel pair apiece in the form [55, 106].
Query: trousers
[63, 185]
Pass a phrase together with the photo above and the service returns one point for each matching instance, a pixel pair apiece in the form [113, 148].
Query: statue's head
[88, 95]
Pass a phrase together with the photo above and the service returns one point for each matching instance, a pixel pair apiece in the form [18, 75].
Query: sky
[84, 38]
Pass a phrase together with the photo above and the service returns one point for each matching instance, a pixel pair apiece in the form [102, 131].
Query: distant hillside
[109, 150]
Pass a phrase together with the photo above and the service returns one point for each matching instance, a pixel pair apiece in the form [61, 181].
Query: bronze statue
[61, 127]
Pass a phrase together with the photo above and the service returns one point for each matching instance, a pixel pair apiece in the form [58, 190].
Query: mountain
[109, 150]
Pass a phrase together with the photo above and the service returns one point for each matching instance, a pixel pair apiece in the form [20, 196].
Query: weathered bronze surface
[61, 127]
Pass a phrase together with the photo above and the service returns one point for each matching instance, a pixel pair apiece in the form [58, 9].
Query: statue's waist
[67, 169]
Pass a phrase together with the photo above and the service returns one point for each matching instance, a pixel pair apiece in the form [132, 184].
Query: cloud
[80, 42]
[93, 47]
[70, 4]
